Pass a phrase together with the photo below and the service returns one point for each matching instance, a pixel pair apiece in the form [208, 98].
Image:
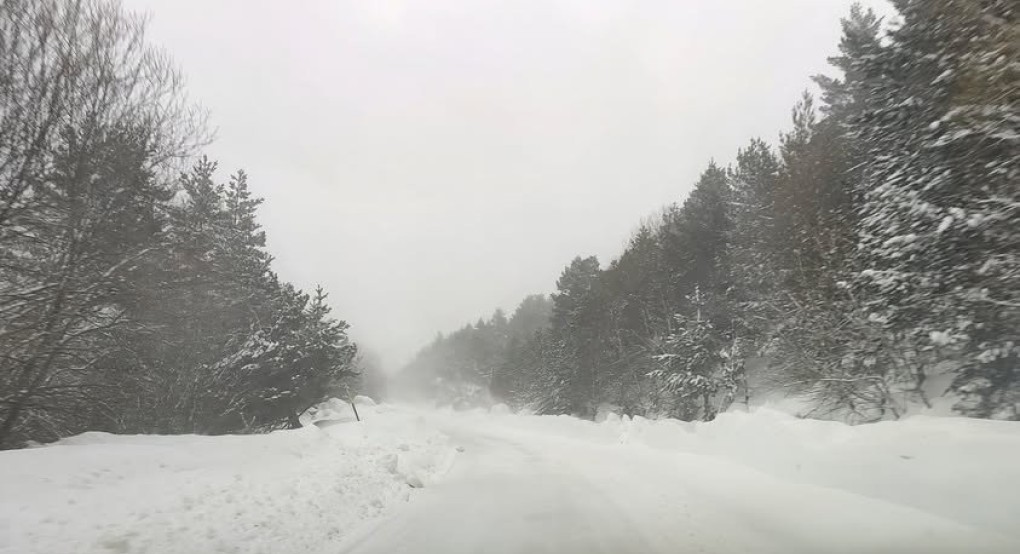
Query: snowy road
[515, 490]
[406, 480]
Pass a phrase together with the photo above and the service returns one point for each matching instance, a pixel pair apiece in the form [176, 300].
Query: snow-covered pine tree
[938, 236]
[689, 356]
[694, 369]
[235, 348]
[318, 358]
[751, 250]
[843, 98]
[819, 346]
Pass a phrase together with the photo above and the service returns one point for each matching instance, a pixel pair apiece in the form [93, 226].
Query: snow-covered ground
[414, 480]
[290, 491]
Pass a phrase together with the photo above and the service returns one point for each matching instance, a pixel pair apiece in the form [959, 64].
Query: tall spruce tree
[577, 325]
[938, 233]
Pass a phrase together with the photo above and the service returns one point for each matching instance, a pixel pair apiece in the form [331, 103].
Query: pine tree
[577, 326]
[843, 98]
[231, 348]
[820, 346]
[693, 365]
[813, 204]
[684, 358]
[753, 236]
[532, 315]
[938, 234]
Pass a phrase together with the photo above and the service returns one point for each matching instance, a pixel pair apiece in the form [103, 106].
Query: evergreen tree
[938, 230]
[578, 311]
[752, 239]
[532, 315]
[693, 238]
[843, 98]
[694, 368]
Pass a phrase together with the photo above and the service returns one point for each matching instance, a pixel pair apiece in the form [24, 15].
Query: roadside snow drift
[288, 491]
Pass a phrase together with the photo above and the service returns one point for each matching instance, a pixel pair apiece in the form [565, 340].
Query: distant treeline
[874, 250]
[136, 293]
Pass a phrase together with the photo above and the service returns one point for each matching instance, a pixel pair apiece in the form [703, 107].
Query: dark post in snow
[350, 398]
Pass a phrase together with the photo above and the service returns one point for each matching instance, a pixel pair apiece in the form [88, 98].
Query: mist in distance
[427, 162]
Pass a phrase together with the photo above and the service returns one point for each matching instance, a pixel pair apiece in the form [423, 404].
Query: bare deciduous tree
[90, 120]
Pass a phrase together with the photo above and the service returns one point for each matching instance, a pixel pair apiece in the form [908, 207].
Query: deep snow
[498, 482]
[288, 491]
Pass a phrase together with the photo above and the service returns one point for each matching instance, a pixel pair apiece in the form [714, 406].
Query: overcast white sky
[428, 161]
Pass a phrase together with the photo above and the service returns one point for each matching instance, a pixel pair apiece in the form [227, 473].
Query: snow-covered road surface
[410, 480]
[520, 490]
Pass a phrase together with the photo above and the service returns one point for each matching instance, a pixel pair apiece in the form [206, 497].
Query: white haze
[430, 161]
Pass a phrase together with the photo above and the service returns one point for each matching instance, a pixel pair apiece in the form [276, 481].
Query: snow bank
[288, 491]
[957, 468]
[362, 400]
[332, 410]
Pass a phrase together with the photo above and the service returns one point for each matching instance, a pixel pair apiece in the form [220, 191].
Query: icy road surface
[423, 481]
[538, 488]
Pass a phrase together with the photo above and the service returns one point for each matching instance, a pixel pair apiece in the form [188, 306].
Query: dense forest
[136, 292]
[869, 255]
